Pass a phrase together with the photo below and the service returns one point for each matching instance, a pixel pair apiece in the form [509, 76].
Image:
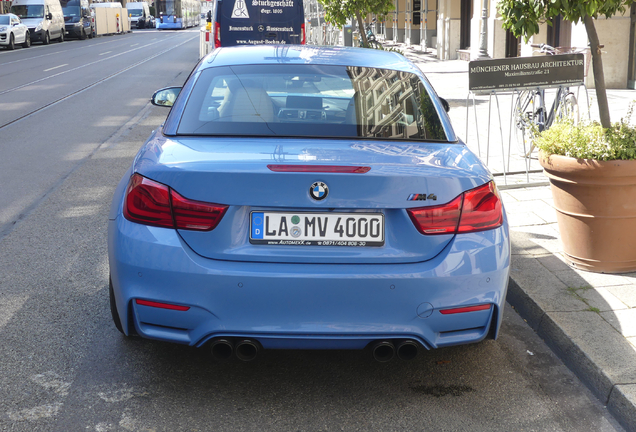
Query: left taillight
[303, 35]
[475, 210]
[150, 203]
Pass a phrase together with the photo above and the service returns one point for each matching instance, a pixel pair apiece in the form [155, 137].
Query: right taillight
[150, 203]
[482, 209]
[475, 210]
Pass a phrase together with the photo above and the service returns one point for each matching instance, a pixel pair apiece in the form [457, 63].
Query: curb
[611, 394]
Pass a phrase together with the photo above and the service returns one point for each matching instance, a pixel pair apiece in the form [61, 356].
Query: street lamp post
[483, 36]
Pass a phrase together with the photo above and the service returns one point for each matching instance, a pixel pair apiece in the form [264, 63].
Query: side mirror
[445, 104]
[165, 97]
[49, 16]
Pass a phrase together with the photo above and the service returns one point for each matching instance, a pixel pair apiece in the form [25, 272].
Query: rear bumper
[318, 306]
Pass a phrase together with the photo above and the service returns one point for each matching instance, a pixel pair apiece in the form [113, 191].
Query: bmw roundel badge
[319, 191]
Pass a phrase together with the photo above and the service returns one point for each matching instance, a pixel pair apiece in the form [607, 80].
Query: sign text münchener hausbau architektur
[485, 76]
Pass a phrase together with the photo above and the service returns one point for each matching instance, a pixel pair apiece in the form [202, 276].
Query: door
[512, 45]
[466, 16]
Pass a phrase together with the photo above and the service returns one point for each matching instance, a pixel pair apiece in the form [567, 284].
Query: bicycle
[530, 114]
[373, 43]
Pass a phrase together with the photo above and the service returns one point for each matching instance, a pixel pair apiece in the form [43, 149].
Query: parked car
[304, 197]
[147, 22]
[138, 13]
[77, 18]
[13, 32]
[44, 18]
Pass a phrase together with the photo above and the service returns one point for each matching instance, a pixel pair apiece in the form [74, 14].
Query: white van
[138, 13]
[44, 18]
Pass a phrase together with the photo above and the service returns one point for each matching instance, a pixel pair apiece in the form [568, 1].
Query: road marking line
[56, 67]
[134, 45]
[104, 53]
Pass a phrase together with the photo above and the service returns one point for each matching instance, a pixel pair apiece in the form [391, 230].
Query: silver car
[13, 32]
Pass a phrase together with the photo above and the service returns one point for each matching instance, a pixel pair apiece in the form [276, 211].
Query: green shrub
[588, 140]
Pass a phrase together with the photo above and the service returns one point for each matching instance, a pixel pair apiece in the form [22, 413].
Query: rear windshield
[311, 101]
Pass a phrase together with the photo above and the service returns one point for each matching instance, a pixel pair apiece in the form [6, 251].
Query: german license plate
[317, 229]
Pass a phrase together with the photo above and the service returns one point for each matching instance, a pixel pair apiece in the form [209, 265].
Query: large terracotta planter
[596, 211]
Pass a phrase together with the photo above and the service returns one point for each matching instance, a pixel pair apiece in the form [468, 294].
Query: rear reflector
[464, 309]
[161, 305]
[320, 168]
[475, 210]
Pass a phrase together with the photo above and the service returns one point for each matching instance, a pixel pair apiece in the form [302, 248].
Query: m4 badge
[422, 197]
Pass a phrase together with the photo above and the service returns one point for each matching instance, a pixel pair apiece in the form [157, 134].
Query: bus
[256, 22]
[177, 14]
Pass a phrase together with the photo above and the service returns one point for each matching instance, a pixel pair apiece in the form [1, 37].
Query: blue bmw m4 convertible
[300, 197]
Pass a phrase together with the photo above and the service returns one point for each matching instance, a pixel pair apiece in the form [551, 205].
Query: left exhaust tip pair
[244, 349]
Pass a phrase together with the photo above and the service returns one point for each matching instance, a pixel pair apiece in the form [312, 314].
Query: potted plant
[592, 172]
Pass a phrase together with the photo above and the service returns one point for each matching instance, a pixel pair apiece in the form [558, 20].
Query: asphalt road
[72, 117]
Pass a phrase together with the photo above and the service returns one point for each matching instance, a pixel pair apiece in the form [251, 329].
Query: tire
[27, 41]
[11, 45]
[61, 38]
[47, 38]
[113, 307]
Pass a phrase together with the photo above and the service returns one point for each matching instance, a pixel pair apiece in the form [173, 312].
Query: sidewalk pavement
[588, 319]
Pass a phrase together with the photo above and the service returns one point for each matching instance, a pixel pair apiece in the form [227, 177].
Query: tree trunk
[599, 75]
[361, 29]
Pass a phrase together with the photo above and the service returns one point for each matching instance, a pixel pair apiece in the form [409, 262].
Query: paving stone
[545, 236]
[554, 262]
[624, 321]
[546, 290]
[602, 299]
[626, 293]
[576, 278]
[538, 208]
[524, 219]
[531, 193]
[588, 344]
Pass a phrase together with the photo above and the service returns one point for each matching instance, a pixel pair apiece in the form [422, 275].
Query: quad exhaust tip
[407, 350]
[246, 350]
[383, 351]
[222, 349]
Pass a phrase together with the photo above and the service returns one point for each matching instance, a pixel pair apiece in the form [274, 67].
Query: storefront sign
[485, 76]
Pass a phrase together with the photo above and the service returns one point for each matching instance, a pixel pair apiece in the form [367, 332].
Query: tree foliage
[339, 11]
[522, 18]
